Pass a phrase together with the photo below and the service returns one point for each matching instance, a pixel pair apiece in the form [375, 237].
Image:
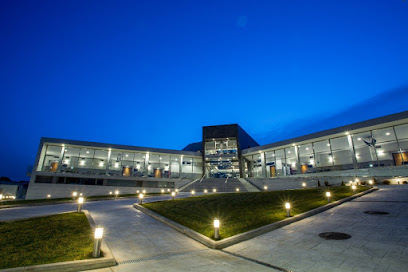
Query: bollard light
[110, 193]
[265, 188]
[116, 193]
[192, 192]
[137, 191]
[177, 191]
[328, 195]
[353, 187]
[1, 197]
[74, 194]
[80, 194]
[304, 184]
[168, 190]
[173, 194]
[371, 182]
[237, 189]
[205, 191]
[48, 196]
[162, 191]
[214, 190]
[144, 191]
[141, 198]
[80, 202]
[287, 207]
[216, 229]
[97, 242]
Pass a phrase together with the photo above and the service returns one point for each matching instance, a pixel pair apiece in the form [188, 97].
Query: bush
[342, 183]
[363, 183]
[326, 183]
[405, 182]
[386, 182]
[318, 183]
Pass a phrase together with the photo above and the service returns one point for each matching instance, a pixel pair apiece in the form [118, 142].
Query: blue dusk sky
[152, 73]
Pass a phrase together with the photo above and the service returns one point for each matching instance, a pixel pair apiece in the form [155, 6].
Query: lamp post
[80, 202]
[74, 195]
[141, 198]
[216, 229]
[97, 242]
[304, 184]
[173, 194]
[353, 187]
[237, 190]
[214, 191]
[266, 188]
[1, 197]
[116, 193]
[144, 191]
[177, 191]
[371, 183]
[205, 191]
[162, 191]
[192, 192]
[287, 207]
[328, 195]
[110, 192]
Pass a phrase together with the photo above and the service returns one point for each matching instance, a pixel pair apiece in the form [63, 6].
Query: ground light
[1, 197]
[353, 187]
[48, 196]
[214, 190]
[177, 191]
[74, 194]
[205, 191]
[137, 191]
[110, 193]
[116, 193]
[266, 188]
[237, 189]
[287, 207]
[97, 242]
[371, 183]
[141, 198]
[192, 192]
[304, 184]
[328, 195]
[173, 194]
[144, 191]
[168, 190]
[162, 191]
[80, 202]
[216, 229]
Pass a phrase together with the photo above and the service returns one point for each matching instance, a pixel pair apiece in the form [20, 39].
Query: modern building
[372, 148]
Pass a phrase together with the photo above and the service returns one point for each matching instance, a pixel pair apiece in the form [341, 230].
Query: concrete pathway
[140, 242]
[378, 243]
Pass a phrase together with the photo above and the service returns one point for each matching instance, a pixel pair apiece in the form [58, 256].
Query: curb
[106, 261]
[249, 234]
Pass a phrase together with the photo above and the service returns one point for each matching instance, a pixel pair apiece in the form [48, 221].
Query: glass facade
[59, 158]
[386, 146]
[221, 158]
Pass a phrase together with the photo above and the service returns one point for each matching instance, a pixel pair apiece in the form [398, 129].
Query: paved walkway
[378, 243]
[140, 242]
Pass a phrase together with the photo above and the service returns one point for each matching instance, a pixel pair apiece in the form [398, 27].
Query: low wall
[41, 190]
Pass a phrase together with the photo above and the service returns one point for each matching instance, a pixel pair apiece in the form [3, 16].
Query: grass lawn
[241, 212]
[41, 240]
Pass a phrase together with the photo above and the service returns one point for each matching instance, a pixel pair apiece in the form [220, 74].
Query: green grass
[41, 240]
[241, 212]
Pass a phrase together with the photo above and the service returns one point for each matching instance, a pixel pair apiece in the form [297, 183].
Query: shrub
[363, 183]
[386, 182]
[318, 183]
[326, 183]
[405, 182]
[342, 183]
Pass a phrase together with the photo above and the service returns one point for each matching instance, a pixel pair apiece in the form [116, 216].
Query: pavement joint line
[158, 257]
[385, 201]
[256, 261]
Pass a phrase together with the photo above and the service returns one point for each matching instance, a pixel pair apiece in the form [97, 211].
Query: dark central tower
[222, 147]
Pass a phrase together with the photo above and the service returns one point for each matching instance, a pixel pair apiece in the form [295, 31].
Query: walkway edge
[106, 261]
[249, 234]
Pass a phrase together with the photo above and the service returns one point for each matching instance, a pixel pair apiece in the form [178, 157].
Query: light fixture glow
[216, 223]
[353, 187]
[98, 233]
[265, 187]
[48, 196]
[328, 194]
[287, 205]
[80, 200]
[237, 189]
[205, 191]
[304, 184]
[74, 194]
[214, 190]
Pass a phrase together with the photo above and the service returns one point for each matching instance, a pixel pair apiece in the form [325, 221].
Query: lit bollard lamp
[116, 193]
[192, 193]
[304, 184]
[177, 191]
[237, 190]
[80, 202]
[140, 198]
[74, 195]
[353, 187]
[287, 207]
[97, 242]
[1, 197]
[371, 183]
[328, 195]
[205, 191]
[173, 194]
[265, 188]
[216, 229]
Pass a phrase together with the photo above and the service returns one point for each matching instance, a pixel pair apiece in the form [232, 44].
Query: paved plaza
[378, 243]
